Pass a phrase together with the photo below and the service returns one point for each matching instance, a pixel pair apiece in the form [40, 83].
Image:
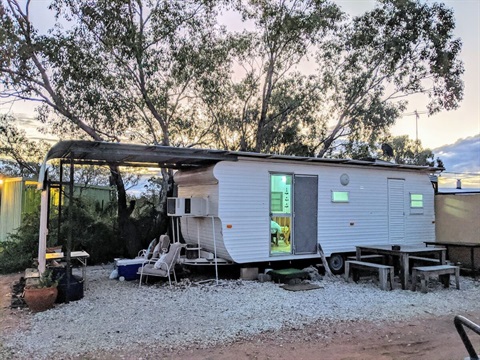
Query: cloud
[461, 157]
[461, 161]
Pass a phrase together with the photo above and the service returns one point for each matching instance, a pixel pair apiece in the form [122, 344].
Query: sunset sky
[447, 133]
[454, 136]
[449, 126]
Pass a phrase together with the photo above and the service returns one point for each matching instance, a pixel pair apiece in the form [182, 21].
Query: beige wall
[458, 220]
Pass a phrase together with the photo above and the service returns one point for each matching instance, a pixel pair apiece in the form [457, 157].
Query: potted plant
[42, 296]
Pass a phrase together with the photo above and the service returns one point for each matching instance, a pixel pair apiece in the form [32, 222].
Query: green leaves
[407, 151]
[300, 76]
[21, 156]
[398, 49]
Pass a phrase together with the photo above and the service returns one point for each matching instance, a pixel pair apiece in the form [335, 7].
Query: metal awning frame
[135, 155]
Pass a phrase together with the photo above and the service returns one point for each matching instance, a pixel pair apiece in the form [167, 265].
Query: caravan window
[340, 197]
[416, 200]
[416, 203]
[280, 193]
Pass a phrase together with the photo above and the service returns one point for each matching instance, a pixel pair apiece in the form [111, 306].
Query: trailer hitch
[460, 322]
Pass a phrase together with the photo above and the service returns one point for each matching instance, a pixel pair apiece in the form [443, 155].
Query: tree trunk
[167, 190]
[127, 231]
[266, 98]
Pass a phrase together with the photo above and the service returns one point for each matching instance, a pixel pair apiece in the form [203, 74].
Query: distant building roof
[446, 191]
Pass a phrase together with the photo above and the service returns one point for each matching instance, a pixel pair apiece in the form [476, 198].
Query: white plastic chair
[164, 266]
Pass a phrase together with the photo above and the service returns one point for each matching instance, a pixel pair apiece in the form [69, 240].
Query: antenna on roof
[417, 116]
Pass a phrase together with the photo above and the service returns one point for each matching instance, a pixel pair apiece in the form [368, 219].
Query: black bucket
[74, 291]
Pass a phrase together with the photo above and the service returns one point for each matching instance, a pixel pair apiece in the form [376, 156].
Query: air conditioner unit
[187, 207]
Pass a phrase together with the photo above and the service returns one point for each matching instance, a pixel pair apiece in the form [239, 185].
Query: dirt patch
[11, 319]
[427, 338]
[431, 338]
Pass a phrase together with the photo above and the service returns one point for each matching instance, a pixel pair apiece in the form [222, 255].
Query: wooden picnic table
[464, 245]
[403, 254]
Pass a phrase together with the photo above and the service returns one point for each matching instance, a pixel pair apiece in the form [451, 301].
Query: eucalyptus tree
[408, 151]
[110, 71]
[405, 151]
[19, 155]
[262, 101]
[276, 98]
[370, 69]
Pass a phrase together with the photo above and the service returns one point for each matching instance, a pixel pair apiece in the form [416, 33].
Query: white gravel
[114, 314]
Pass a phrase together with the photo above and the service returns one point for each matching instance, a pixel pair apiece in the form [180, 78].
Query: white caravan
[332, 205]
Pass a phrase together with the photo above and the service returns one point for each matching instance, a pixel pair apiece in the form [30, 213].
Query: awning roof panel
[122, 154]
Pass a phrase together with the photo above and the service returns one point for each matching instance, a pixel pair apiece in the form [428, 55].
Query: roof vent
[459, 183]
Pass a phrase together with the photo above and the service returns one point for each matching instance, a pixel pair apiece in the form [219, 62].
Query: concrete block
[249, 273]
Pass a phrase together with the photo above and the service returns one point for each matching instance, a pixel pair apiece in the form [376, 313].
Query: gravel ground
[115, 315]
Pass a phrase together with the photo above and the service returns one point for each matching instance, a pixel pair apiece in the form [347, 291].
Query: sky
[452, 135]
[448, 126]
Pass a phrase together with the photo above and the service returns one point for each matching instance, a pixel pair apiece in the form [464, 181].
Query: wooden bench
[421, 261]
[442, 271]
[367, 257]
[383, 271]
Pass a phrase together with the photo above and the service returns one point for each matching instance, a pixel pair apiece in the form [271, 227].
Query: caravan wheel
[336, 262]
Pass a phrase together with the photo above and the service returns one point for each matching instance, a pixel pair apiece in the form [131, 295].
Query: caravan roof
[122, 154]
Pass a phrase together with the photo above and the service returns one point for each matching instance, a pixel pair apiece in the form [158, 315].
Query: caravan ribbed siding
[244, 190]
[199, 230]
[242, 196]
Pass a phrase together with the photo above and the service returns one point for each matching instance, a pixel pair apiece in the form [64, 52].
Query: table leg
[414, 280]
[472, 259]
[404, 270]
[457, 277]
[83, 263]
[443, 257]
[84, 273]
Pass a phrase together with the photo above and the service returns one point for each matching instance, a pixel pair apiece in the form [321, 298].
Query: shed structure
[18, 197]
[458, 213]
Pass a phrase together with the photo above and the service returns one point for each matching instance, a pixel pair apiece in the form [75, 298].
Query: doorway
[280, 214]
[396, 210]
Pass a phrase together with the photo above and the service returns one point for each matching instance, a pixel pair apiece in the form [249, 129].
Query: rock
[313, 273]
[264, 278]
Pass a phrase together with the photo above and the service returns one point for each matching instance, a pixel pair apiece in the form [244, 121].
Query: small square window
[340, 196]
[416, 201]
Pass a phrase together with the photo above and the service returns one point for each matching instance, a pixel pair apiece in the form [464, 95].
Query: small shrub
[21, 247]
[47, 280]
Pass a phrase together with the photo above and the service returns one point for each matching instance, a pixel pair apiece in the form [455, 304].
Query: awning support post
[42, 238]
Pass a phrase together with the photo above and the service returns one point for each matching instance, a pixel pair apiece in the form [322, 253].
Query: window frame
[339, 201]
[416, 204]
